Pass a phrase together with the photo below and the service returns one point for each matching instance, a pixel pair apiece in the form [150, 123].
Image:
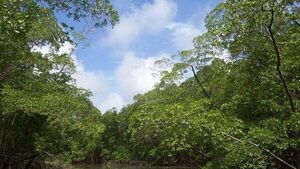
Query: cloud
[183, 35]
[152, 17]
[92, 80]
[135, 75]
[110, 100]
[95, 81]
[149, 18]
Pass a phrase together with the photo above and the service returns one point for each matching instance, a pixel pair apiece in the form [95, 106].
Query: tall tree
[42, 112]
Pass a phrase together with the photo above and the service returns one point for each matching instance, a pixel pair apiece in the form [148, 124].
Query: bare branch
[76, 46]
[262, 148]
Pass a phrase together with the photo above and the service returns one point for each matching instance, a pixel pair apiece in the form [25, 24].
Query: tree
[43, 114]
[258, 87]
[235, 26]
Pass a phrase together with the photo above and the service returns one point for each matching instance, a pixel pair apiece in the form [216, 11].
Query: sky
[118, 63]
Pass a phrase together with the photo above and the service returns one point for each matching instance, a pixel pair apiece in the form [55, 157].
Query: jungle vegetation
[239, 112]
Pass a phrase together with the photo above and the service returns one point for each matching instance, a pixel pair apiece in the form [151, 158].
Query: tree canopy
[43, 113]
[237, 112]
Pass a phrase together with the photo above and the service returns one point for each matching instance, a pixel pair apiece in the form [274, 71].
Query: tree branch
[262, 148]
[296, 22]
[198, 81]
[278, 59]
[76, 46]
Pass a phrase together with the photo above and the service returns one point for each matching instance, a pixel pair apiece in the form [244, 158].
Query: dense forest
[208, 112]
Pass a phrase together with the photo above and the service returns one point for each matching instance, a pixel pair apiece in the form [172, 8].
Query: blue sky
[117, 64]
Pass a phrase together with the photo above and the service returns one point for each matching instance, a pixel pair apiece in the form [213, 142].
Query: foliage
[114, 142]
[241, 112]
[237, 112]
[43, 114]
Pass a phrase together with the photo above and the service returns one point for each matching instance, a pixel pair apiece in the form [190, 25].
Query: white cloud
[183, 35]
[135, 75]
[110, 100]
[95, 81]
[92, 80]
[150, 18]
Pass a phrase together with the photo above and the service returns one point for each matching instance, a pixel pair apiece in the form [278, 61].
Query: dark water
[119, 166]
